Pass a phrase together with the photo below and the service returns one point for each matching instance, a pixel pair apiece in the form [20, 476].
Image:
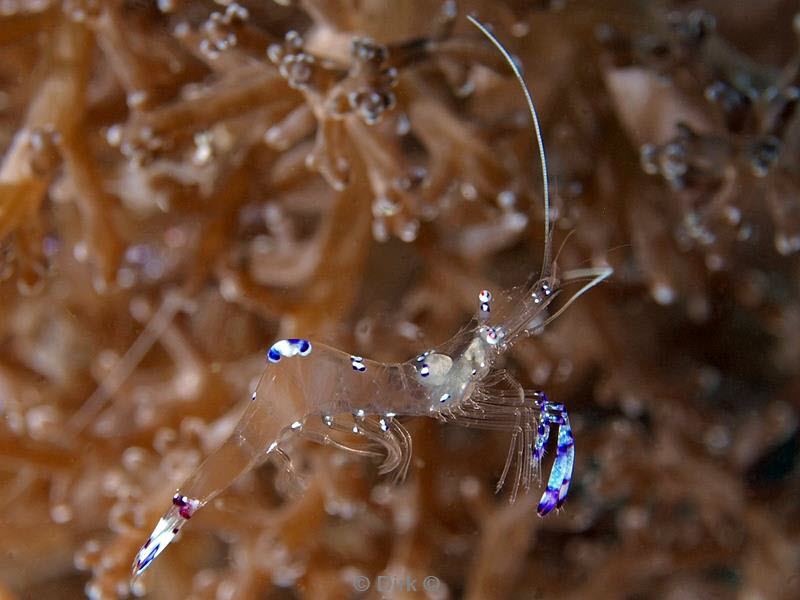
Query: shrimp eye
[493, 335]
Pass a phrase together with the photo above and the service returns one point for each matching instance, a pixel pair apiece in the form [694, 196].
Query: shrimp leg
[499, 405]
[384, 433]
[324, 437]
[514, 396]
[395, 440]
[542, 434]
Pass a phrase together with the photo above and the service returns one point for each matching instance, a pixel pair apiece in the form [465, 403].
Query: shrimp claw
[561, 473]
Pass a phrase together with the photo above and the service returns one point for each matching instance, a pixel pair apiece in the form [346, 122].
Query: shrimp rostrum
[307, 387]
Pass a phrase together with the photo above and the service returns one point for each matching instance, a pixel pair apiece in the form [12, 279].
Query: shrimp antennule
[548, 231]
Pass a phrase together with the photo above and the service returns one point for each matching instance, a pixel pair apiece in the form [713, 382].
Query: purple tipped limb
[561, 473]
[548, 502]
[164, 532]
[569, 461]
[143, 562]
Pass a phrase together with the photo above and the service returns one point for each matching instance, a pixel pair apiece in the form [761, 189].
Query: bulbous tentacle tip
[164, 532]
[548, 502]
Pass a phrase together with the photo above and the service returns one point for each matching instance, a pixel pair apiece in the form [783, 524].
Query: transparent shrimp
[306, 384]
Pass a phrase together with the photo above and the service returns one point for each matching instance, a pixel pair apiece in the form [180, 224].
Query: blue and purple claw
[548, 502]
[542, 435]
[569, 452]
[552, 495]
[562, 493]
[561, 473]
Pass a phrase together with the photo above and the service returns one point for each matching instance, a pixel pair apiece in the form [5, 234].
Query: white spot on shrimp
[358, 364]
[290, 347]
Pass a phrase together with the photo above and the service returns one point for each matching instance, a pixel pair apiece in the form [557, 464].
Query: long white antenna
[535, 118]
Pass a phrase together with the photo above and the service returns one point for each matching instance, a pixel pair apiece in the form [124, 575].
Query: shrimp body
[305, 380]
[307, 386]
